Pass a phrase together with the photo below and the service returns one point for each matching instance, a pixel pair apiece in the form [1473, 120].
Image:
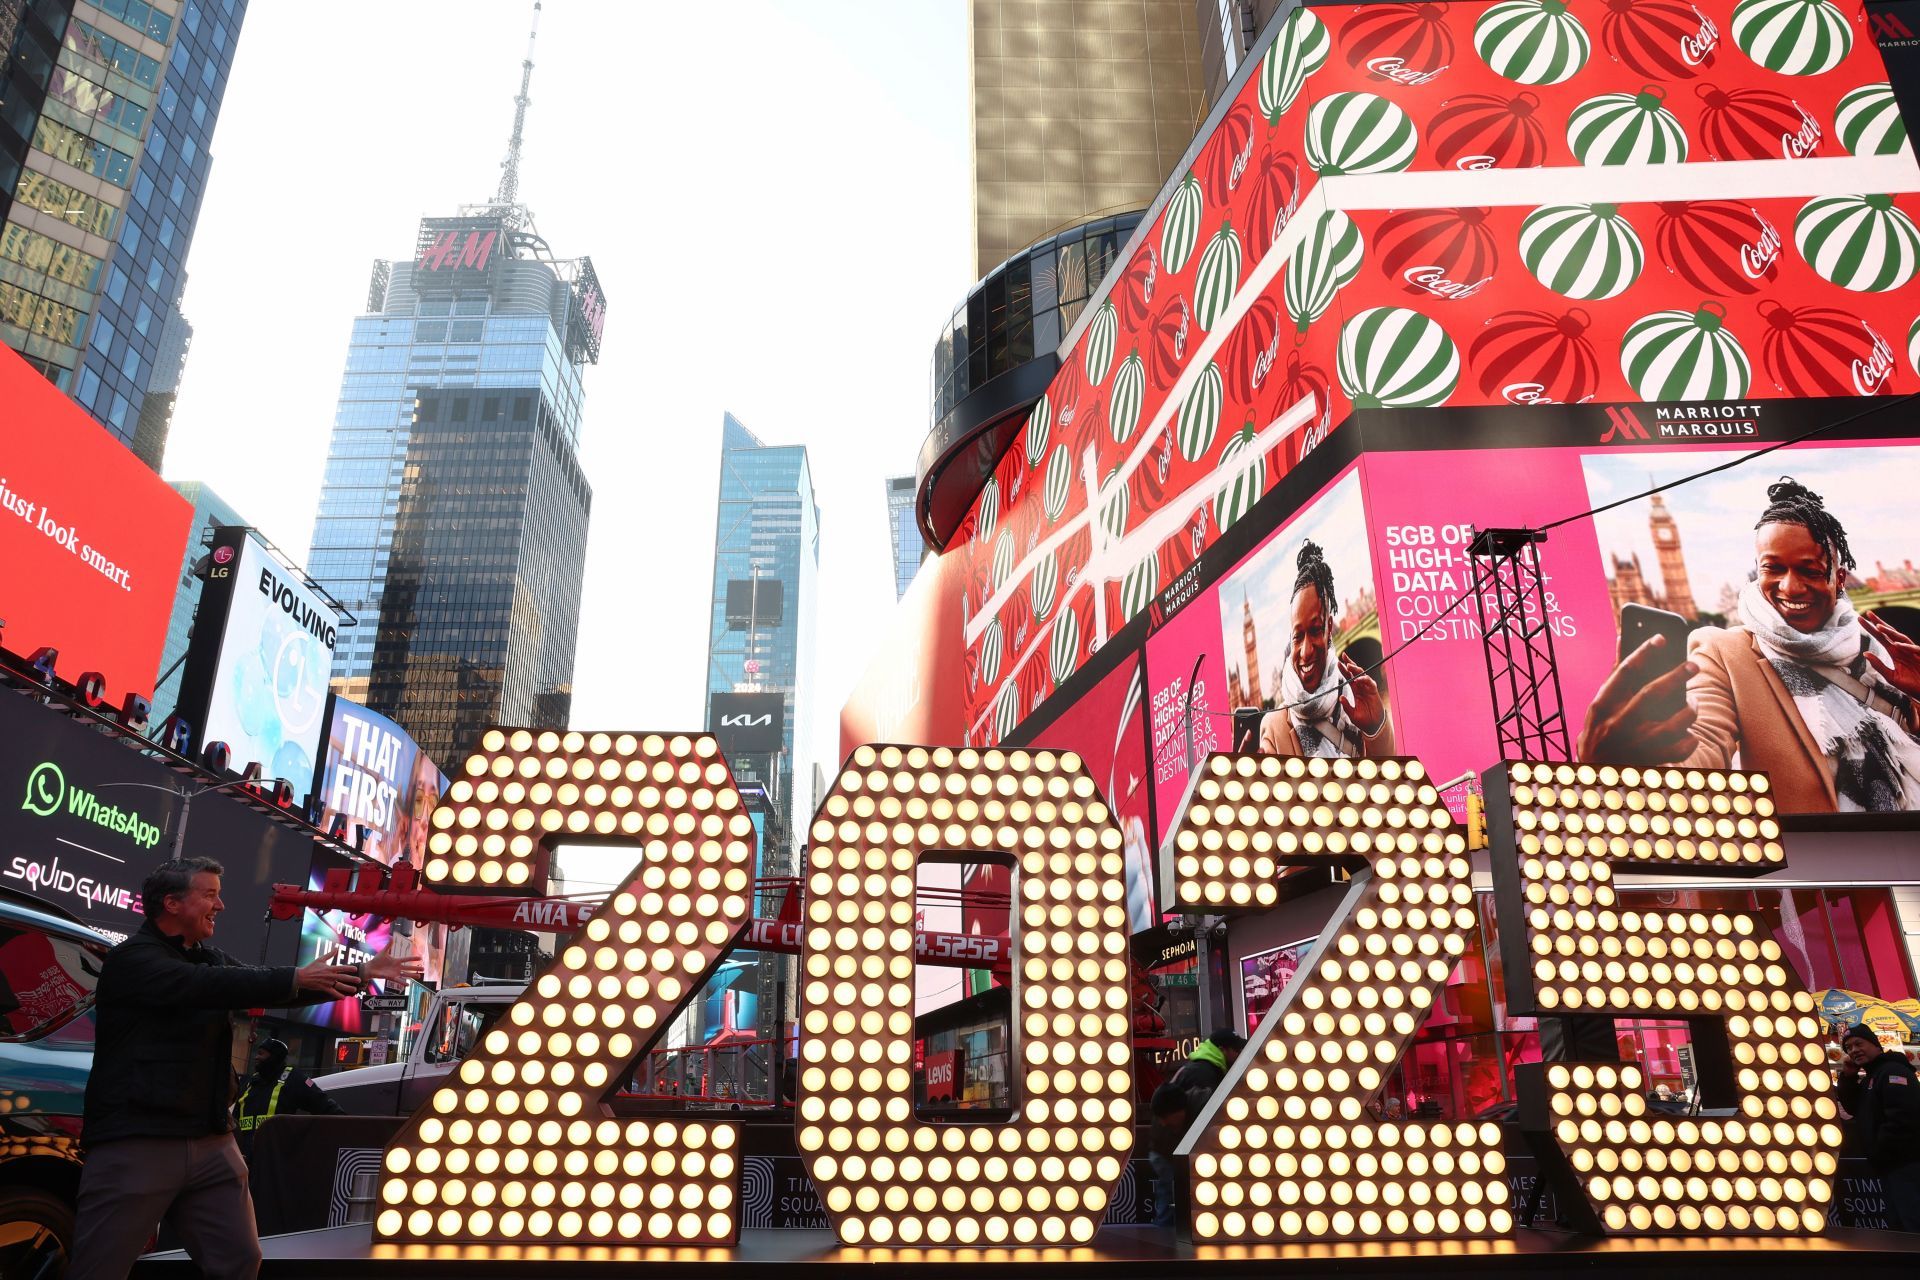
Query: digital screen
[375, 776]
[90, 539]
[269, 688]
[341, 937]
[747, 723]
[1265, 975]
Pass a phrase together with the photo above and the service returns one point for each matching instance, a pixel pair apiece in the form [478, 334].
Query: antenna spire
[508, 195]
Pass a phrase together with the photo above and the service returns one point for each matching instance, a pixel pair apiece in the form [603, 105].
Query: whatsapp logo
[46, 788]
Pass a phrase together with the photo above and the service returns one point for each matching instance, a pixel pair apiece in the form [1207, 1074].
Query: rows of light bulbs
[1291, 1149]
[884, 1177]
[1767, 1170]
[519, 1146]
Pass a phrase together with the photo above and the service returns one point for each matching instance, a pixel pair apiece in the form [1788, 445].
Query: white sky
[775, 197]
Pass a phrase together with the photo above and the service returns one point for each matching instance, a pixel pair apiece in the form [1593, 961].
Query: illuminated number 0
[519, 1146]
[1286, 1148]
[1045, 1176]
[1570, 950]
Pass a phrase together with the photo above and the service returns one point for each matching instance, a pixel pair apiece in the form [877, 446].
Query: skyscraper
[1080, 108]
[766, 560]
[909, 545]
[103, 161]
[453, 517]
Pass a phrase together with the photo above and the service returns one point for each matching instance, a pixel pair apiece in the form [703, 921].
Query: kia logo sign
[749, 723]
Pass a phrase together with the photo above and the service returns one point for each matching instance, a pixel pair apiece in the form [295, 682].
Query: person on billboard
[1818, 696]
[157, 1126]
[1880, 1095]
[1329, 705]
[274, 1089]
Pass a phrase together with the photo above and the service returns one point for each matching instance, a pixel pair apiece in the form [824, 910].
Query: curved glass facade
[1024, 307]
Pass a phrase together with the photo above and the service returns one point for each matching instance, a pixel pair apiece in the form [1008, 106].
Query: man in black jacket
[1174, 1107]
[1884, 1099]
[157, 1131]
[274, 1089]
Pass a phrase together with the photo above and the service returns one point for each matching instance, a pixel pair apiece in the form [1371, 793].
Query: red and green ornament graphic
[1863, 243]
[1869, 123]
[1581, 251]
[1180, 224]
[1403, 43]
[1301, 380]
[1224, 159]
[1659, 39]
[1199, 417]
[1135, 287]
[1626, 128]
[1718, 246]
[986, 513]
[1532, 41]
[1113, 505]
[1129, 389]
[1793, 37]
[1442, 253]
[1913, 345]
[1167, 337]
[1246, 478]
[1006, 713]
[1396, 358]
[1063, 652]
[1059, 486]
[1253, 347]
[1003, 554]
[1101, 335]
[1298, 51]
[1139, 587]
[1218, 277]
[1356, 132]
[1536, 357]
[1272, 197]
[1822, 351]
[1486, 131]
[992, 651]
[1325, 261]
[1685, 355]
[1039, 430]
[1042, 586]
[1755, 124]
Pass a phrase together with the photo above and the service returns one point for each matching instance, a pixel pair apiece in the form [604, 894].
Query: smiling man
[158, 1132]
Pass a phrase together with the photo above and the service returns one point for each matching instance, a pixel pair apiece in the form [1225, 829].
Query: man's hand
[1363, 703]
[1903, 673]
[387, 966]
[336, 980]
[1624, 725]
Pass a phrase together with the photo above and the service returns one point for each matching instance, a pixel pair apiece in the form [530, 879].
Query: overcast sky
[775, 197]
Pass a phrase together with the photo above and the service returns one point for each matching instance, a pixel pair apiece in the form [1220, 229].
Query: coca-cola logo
[1532, 393]
[1695, 48]
[1166, 457]
[1153, 274]
[1282, 218]
[1238, 168]
[1473, 163]
[1397, 70]
[1757, 259]
[1802, 142]
[1180, 335]
[1871, 374]
[1434, 281]
[1263, 363]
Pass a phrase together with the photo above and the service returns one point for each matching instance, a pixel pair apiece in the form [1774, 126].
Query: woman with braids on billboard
[1328, 705]
[1820, 697]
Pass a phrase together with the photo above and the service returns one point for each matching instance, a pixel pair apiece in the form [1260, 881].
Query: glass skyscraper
[909, 544]
[768, 536]
[108, 106]
[453, 516]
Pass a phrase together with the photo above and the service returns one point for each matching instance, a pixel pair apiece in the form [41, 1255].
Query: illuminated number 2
[1045, 1176]
[519, 1145]
[1570, 949]
[1286, 1148]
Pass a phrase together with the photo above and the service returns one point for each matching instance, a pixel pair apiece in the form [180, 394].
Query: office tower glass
[909, 546]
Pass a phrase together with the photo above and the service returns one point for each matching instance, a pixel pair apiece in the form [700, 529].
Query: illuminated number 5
[1286, 1148]
[1765, 1164]
[1045, 1176]
[519, 1146]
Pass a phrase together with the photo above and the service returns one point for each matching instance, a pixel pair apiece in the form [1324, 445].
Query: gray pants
[197, 1185]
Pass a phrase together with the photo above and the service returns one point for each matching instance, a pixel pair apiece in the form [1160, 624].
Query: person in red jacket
[157, 1126]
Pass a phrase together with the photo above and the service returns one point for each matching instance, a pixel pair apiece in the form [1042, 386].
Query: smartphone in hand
[1639, 624]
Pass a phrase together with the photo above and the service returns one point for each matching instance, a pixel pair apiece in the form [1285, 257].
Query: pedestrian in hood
[1175, 1106]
